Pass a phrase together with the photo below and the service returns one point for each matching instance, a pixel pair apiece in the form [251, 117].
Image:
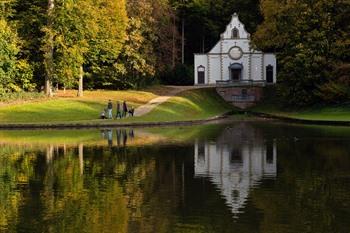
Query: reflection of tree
[154, 189]
[16, 166]
[58, 197]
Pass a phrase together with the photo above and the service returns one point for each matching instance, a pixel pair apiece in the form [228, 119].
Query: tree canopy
[312, 42]
[120, 44]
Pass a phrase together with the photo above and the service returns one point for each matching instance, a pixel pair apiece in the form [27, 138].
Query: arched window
[201, 74]
[269, 74]
[235, 33]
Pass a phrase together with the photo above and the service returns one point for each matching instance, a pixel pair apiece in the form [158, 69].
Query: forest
[128, 44]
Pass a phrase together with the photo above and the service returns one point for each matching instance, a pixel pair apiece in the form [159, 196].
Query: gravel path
[146, 108]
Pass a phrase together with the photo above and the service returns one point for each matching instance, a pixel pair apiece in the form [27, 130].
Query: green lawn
[325, 113]
[189, 105]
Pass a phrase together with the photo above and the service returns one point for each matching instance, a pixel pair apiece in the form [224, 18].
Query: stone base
[241, 97]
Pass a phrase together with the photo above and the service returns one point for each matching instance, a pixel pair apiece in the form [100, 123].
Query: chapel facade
[234, 67]
[232, 60]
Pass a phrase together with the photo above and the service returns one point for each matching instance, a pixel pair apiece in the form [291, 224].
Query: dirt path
[146, 108]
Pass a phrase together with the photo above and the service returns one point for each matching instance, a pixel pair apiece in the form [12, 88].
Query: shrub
[8, 97]
[337, 90]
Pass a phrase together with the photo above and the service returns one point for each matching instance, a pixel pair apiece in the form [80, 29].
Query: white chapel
[233, 59]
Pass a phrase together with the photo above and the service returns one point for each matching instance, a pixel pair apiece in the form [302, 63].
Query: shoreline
[115, 124]
[110, 124]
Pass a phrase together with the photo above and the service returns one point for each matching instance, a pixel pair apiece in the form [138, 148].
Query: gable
[235, 27]
[235, 30]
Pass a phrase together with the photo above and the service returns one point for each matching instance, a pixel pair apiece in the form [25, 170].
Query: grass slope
[272, 106]
[189, 105]
[66, 108]
[326, 113]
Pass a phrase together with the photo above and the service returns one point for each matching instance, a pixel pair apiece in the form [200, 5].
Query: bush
[8, 97]
[337, 90]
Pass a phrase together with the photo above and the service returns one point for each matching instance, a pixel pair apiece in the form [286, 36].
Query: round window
[235, 53]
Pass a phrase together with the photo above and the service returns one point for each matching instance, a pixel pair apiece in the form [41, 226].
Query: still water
[233, 177]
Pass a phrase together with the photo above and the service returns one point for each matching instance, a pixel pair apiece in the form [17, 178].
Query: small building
[233, 63]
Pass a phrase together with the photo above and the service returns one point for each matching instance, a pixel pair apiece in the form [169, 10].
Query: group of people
[122, 111]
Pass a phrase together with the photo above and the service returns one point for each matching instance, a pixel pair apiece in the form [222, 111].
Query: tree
[104, 49]
[15, 73]
[87, 35]
[48, 48]
[74, 27]
[306, 36]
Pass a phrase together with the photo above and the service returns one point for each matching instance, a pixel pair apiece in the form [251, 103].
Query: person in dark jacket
[125, 109]
[119, 111]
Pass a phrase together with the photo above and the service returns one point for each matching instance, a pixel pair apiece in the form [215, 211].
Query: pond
[249, 176]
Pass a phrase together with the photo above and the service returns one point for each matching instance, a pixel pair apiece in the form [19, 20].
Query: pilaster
[208, 65]
[221, 60]
[262, 67]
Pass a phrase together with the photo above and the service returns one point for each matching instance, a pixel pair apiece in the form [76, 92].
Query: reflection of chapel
[233, 62]
[236, 163]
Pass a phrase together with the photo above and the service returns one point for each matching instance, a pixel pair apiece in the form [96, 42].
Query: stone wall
[241, 97]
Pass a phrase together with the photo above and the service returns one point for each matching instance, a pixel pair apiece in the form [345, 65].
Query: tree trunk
[174, 42]
[48, 89]
[80, 89]
[49, 52]
[183, 41]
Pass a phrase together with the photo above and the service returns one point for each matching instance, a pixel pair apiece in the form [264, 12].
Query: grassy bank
[189, 105]
[67, 108]
[325, 113]
[272, 106]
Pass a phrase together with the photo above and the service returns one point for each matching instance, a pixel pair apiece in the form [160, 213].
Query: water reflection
[236, 162]
[142, 180]
[122, 136]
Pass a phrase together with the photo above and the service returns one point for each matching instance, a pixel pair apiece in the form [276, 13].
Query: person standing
[119, 111]
[125, 109]
[110, 109]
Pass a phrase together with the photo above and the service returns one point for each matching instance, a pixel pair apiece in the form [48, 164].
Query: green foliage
[307, 35]
[15, 74]
[337, 89]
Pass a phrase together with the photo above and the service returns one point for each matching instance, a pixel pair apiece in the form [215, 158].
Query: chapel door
[269, 74]
[201, 77]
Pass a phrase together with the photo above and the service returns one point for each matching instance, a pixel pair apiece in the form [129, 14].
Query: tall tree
[48, 48]
[15, 73]
[102, 58]
[87, 36]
